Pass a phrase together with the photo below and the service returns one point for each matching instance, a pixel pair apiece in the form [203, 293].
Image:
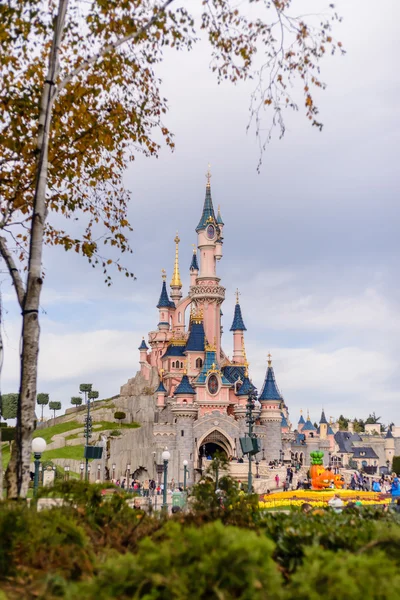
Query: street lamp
[165, 458]
[113, 470]
[388, 465]
[185, 464]
[98, 472]
[257, 473]
[82, 467]
[128, 473]
[280, 456]
[38, 447]
[263, 454]
[66, 472]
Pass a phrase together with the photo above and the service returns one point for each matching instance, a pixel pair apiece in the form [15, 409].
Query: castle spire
[208, 215]
[219, 218]
[237, 323]
[176, 279]
[194, 265]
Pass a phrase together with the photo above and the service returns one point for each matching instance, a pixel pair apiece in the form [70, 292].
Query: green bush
[216, 562]
[396, 465]
[331, 575]
[119, 415]
[115, 432]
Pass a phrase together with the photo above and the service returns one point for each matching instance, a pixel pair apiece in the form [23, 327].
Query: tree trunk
[17, 475]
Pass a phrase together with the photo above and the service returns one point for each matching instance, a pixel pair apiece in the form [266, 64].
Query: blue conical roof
[194, 265]
[184, 387]
[237, 323]
[389, 434]
[330, 430]
[161, 388]
[323, 418]
[301, 420]
[208, 210]
[308, 426]
[196, 337]
[270, 389]
[164, 301]
[284, 422]
[219, 218]
[143, 345]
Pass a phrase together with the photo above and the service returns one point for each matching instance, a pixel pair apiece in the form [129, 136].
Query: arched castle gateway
[201, 393]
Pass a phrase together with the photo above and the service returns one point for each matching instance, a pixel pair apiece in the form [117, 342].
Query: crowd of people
[147, 488]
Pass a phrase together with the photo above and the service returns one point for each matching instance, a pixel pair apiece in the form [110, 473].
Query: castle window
[179, 317]
[182, 432]
[199, 363]
[181, 365]
[173, 365]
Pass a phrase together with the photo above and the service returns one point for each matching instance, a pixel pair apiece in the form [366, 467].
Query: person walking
[277, 480]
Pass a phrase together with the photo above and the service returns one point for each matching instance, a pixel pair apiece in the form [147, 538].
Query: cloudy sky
[312, 241]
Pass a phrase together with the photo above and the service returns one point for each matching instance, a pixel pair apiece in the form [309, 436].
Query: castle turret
[185, 412]
[389, 447]
[144, 364]
[238, 327]
[301, 422]
[161, 393]
[176, 283]
[194, 267]
[164, 305]
[323, 426]
[271, 417]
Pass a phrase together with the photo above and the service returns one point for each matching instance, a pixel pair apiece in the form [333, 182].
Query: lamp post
[113, 470]
[85, 388]
[82, 468]
[257, 473]
[38, 447]
[250, 420]
[165, 458]
[99, 472]
[128, 474]
[88, 472]
[388, 465]
[185, 464]
[263, 454]
[66, 472]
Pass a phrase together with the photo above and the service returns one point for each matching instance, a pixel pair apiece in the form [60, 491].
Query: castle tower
[165, 306]
[301, 422]
[323, 427]
[207, 293]
[185, 412]
[389, 447]
[176, 283]
[144, 364]
[238, 327]
[161, 393]
[271, 417]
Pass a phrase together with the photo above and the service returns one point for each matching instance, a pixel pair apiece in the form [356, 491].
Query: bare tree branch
[15, 276]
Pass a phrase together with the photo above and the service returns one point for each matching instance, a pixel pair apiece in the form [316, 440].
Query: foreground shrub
[215, 562]
[346, 576]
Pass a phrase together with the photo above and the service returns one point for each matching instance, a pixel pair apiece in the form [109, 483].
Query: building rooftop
[161, 388]
[184, 387]
[143, 345]
[237, 323]
[164, 301]
[364, 452]
[195, 340]
[270, 389]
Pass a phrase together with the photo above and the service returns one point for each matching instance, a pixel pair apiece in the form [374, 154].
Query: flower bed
[321, 498]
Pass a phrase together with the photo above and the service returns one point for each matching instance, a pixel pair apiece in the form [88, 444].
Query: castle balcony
[207, 292]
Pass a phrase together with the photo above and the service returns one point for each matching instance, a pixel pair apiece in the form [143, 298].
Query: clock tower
[207, 294]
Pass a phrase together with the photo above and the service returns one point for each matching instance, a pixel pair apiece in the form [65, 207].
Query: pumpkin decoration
[320, 477]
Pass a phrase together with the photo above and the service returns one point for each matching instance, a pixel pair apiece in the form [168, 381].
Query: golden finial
[208, 175]
[194, 248]
[176, 279]
[163, 274]
[301, 411]
[161, 373]
[269, 359]
[308, 415]
[237, 294]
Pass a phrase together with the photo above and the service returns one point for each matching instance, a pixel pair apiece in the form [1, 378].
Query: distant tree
[9, 406]
[76, 400]
[343, 423]
[119, 415]
[316, 425]
[93, 395]
[42, 400]
[396, 465]
[358, 425]
[55, 406]
[372, 419]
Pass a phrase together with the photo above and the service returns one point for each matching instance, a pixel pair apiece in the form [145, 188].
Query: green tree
[119, 415]
[54, 406]
[396, 465]
[93, 395]
[343, 423]
[372, 419]
[80, 98]
[9, 406]
[42, 400]
[76, 400]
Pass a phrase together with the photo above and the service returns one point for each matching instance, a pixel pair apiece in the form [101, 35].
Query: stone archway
[213, 441]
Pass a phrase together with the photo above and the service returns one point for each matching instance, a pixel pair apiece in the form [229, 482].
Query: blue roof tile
[284, 422]
[196, 338]
[237, 323]
[219, 218]
[233, 372]
[389, 434]
[210, 359]
[245, 388]
[301, 420]
[164, 301]
[208, 210]
[161, 388]
[184, 387]
[330, 430]
[194, 265]
[270, 389]
[143, 345]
